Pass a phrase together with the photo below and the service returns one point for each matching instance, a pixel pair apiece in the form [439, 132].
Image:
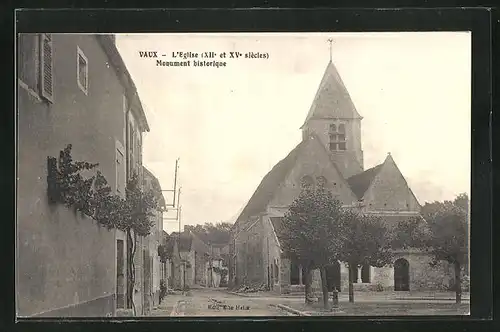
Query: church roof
[265, 191]
[332, 99]
[277, 222]
[359, 183]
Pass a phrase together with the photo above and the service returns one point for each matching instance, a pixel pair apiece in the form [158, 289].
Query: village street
[219, 302]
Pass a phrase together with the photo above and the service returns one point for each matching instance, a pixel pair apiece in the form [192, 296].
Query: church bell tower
[334, 119]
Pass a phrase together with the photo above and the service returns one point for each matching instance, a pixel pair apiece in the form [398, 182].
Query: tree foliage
[317, 231]
[443, 234]
[365, 241]
[67, 184]
[307, 225]
[305, 234]
[209, 233]
[93, 196]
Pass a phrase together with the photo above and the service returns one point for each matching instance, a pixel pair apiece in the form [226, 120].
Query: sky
[230, 125]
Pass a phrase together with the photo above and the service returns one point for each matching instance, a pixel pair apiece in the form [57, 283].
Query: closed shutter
[120, 168]
[46, 70]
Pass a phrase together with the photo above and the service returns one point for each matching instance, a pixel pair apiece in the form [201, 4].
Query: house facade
[154, 240]
[72, 89]
[199, 263]
[330, 152]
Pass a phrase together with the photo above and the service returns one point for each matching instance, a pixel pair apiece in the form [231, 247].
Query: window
[337, 137]
[82, 71]
[35, 64]
[131, 150]
[28, 63]
[321, 180]
[307, 182]
[120, 168]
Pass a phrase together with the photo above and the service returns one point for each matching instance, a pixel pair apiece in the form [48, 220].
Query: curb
[291, 310]
[240, 294]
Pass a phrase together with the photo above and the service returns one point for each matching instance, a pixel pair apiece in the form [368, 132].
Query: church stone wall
[249, 255]
[271, 254]
[423, 277]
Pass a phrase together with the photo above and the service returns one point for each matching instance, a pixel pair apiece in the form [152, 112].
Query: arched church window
[337, 137]
[321, 180]
[307, 182]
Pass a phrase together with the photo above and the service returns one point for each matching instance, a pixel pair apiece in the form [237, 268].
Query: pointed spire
[330, 40]
[332, 99]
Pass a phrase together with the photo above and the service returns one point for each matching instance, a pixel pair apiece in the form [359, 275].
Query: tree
[307, 233]
[209, 233]
[92, 197]
[443, 234]
[365, 241]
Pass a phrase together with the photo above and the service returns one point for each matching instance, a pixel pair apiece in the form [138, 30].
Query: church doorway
[401, 275]
[297, 273]
[294, 273]
[333, 276]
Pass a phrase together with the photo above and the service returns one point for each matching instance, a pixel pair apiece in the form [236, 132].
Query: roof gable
[389, 190]
[265, 191]
[271, 183]
[314, 160]
[359, 183]
[332, 100]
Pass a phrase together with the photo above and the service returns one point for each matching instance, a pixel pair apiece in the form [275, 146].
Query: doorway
[401, 275]
[333, 277]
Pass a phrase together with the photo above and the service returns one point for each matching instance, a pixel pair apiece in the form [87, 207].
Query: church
[330, 151]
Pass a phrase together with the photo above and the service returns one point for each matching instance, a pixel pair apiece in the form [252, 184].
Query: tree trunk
[131, 269]
[351, 283]
[324, 288]
[458, 283]
[308, 285]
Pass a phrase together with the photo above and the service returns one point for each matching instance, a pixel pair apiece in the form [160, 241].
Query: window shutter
[46, 70]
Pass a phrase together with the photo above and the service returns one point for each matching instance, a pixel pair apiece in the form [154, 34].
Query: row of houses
[76, 89]
[193, 263]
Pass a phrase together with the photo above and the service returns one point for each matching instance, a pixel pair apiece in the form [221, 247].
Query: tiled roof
[359, 183]
[189, 241]
[332, 99]
[265, 191]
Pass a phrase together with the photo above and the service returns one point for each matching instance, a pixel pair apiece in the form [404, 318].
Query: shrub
[465, 283]
[379, 287]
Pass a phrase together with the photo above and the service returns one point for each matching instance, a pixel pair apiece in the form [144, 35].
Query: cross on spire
[330, 40]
